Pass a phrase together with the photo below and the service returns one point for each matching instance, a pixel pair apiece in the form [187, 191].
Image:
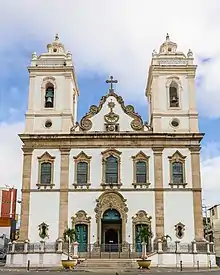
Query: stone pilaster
[159, 198]
[197, 194]
[26, 185]
[64, 185]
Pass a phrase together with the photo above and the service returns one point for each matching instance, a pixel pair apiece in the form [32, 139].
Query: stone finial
[190, 54]
[154, 53]
[34, 56]
[167, 37]
[56, 37]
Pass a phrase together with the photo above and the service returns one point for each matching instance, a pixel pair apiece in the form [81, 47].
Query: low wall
[36, 260]
[186, 259]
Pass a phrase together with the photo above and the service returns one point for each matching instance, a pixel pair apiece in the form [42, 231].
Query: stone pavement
[171, 271]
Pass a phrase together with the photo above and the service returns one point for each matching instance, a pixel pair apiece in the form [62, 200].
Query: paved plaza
[133, 272]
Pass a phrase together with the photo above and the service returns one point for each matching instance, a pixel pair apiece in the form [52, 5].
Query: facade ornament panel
[137, 123]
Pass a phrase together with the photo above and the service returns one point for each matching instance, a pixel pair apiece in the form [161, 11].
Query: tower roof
[168, 46]
[56, 46]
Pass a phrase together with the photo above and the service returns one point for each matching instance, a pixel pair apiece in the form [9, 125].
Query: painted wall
[44, 207]
[178, 207]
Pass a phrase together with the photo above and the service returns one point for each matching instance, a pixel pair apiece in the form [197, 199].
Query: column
[26, 185]
[64, 186]
[197, 193]
[159, 199]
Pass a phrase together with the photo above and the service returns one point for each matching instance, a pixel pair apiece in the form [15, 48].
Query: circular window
[54, 50]
[169, 49]
[175, 122]
[48, 123]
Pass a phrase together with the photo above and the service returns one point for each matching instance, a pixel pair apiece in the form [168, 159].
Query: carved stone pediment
[137, 123]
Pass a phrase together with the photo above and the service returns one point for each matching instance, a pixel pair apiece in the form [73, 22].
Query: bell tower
[171, 90]
[53, 91]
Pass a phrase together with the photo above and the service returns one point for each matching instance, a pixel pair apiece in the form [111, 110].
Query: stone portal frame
[177, 157]
[107, 153]
[81, 217]
[141, 156]
[49, 80]
[176, 81]
[180, 227]
[82, 157]
[111, 199]
[141, 217]
[46, 157]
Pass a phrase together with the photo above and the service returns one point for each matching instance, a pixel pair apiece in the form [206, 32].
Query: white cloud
[117, 37]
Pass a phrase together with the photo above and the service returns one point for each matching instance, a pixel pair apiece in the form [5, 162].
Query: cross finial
[56, 37]
[111, 81]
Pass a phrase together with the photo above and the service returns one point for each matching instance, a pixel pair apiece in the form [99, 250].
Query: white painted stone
[44, 207]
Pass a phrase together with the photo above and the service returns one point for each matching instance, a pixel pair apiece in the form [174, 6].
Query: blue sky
[104, 42]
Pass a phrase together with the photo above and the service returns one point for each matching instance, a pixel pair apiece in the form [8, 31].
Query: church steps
[107, 264]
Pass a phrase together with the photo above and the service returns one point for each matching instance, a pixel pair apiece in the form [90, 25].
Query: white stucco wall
[44, 207]
[126, 165]
[178, 207]
[34, 171]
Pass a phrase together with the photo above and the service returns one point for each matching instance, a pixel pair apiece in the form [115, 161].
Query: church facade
[109, 173]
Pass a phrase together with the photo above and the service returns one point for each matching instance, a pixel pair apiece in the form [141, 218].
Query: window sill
[141, 185]
[81, 186]
[45, 186]
[177, 185]
[111, 186]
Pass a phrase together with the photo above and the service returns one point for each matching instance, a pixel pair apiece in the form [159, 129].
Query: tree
[69, 236]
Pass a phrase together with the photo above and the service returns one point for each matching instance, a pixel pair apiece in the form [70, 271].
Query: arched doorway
[111, 230]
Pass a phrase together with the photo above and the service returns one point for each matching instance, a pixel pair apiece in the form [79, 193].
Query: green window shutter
[111, 170]
[82, 173]
[46, 173]
[177, 172]
[141, 176]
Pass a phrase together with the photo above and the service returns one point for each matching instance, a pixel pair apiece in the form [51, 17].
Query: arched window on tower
[173, 95]
[49, 96]
[177, 172]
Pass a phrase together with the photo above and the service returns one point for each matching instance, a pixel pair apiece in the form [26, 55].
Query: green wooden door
[138, 238]
[82, 237]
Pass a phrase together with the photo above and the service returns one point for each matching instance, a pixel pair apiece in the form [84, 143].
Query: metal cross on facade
[111, 81]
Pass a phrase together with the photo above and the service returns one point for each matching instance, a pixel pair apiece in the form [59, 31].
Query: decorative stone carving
[136, 124]
[141, 217]
[111, 199]
[179, 228]
[43, 230]
[81, 218]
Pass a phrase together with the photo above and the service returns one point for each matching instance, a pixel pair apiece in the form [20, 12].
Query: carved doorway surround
[111, 199]
[139, 219]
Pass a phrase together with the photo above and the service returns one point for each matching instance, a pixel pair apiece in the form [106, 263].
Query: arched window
[177, 172]
[141, 172]
[49, 96]
[111, 170]
[173, 94]
[45, 173]
[82, 173]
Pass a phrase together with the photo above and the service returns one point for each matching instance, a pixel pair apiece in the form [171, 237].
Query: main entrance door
[111, 231]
